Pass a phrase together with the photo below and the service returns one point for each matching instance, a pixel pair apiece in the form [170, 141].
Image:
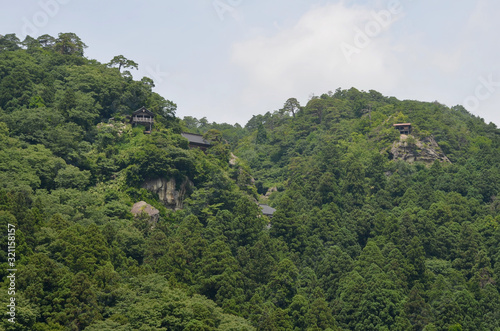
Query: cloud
[330, 46]
[402, 55]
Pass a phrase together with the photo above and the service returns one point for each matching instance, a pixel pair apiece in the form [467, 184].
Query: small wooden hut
[144, 117]
[403, 128]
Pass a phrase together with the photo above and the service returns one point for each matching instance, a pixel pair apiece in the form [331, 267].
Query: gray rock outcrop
[168, 192]
[143, 207]
[410, 149]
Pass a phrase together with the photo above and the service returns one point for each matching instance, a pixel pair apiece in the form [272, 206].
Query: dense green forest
[373, 230]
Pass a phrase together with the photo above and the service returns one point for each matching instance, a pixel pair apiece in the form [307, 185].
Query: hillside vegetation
[361, 239]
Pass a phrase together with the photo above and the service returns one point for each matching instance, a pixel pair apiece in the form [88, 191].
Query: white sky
[230, 59]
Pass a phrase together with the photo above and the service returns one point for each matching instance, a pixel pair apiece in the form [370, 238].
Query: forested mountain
[373, 230]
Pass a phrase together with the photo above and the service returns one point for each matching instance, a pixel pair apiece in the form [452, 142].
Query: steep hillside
[71, 168]
[372, 230]
[372, 218]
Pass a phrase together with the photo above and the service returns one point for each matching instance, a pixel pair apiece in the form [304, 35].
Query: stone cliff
[171, 195]
[411, 149]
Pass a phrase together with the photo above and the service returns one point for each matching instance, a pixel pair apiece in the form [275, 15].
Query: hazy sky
[230, 59]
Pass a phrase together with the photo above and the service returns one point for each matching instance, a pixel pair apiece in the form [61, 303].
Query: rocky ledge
[411, 149]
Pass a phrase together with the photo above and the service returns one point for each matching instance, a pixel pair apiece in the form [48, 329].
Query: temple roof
[195, 138]
[144, 111]
[267, 210]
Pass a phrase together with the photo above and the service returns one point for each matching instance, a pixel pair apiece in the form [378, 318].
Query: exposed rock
[118, 126]
[167, 191]
[410, 149]
[271, 190]
[143, 207]
[232, 159]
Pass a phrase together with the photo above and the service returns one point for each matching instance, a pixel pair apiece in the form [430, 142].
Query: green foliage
[155, 305]
[72, 177]
[359, 241]
[122, 61]
[69, 44]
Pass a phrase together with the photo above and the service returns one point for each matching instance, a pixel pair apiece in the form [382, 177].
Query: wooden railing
[143, 119]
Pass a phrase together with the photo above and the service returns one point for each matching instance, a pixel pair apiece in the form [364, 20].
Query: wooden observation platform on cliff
[403, 128]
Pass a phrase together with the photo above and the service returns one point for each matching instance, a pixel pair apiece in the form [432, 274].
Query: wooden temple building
[144, 117]
[196, 141]
[403, 128]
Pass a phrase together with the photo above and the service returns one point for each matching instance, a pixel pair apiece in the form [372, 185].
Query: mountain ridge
[358, 241]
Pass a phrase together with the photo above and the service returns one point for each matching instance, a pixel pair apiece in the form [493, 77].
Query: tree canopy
[362, 239]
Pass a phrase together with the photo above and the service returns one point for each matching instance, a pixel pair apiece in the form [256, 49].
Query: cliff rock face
[167, 191]
[410, 149]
